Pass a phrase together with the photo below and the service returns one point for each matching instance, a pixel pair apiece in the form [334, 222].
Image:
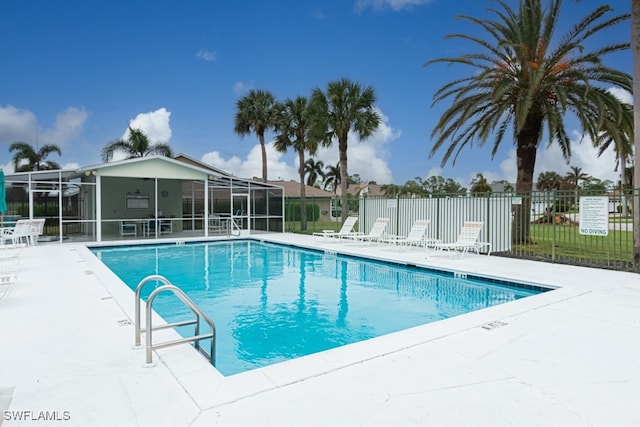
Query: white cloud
[240, 88]
[434, 171]
[17, 125]
[365, 158]
[21, 125]
[206, 55]
[621, 94]
[583, 155]
[395, 5]
[251, 166]
[155, 125]
[71, 166]
[68, 124]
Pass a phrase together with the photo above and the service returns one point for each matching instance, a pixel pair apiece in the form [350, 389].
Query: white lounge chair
[376, 233]
[18, 234]
[345, 232]
[416, 236]
[467, 240]
[35, 230]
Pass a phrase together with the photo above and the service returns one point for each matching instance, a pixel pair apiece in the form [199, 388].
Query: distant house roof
[371, 189]
[292, 189]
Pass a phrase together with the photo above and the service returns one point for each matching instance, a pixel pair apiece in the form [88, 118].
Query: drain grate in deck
[493, 325]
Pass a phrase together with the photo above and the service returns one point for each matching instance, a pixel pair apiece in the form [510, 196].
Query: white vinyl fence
[447, 214]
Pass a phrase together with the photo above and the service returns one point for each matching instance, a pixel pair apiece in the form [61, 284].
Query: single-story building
[146, 198]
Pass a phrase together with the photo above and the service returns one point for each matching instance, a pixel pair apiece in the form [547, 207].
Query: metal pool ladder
[149, 328]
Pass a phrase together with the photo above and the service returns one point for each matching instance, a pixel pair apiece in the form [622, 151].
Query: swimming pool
[274, 302]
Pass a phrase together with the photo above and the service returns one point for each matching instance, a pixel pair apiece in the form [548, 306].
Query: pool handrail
[198, 313]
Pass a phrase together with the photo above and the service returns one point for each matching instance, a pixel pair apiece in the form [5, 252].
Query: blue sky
[77, 73]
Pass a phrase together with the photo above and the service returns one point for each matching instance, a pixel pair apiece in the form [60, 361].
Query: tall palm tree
[575, 176]
[619, 136]
[135, 145]
[345, 106]
[255, 113]
[332, 177]
[313, 171]
[292, 123]
[35, 157]
[523, 84]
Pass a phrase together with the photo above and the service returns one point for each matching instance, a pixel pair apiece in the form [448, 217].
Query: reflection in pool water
[272, 303]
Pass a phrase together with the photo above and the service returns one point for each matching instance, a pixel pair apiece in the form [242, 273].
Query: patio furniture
[165, 226]
[467, 240]
[18, 234]
[416, 236]
[345, 232]
[375, 234]
[128, 228]
[35, 230]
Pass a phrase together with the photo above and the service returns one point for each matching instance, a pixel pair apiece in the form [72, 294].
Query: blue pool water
[272, 303]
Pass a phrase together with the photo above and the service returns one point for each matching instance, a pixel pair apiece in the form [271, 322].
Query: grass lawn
[565, 242]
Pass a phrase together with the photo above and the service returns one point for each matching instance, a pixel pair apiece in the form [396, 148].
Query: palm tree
[520, 83]
[619, 137]
[332, 177]
[392, 190]
[480, 186]
[313, 171]
[548, 181]
[35, 157]
[255, 113]
[345, 106]
[575, 176]
[292, 122]
[506, 185]
[135, 145]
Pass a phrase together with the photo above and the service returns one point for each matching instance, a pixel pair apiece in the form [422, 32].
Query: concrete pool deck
[567, 357]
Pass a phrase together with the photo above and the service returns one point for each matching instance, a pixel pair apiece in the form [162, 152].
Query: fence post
[554, 200]
[438, 236]
[487, 228]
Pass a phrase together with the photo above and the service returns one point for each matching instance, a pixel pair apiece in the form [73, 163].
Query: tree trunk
[623, 187]
[303, 193]
[635, 50]
[526, 156]
[344, 176]
[264, 158]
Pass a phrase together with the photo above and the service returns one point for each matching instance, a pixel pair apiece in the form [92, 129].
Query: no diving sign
[594, 216]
